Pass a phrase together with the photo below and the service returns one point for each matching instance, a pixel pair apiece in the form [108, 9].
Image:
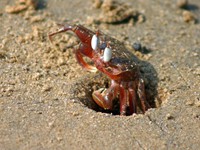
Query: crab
[111, 58]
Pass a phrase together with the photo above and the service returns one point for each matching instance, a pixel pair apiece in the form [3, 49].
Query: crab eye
[107, 54]
[95, 42]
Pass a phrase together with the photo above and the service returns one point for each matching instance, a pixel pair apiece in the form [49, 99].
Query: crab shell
[113, 60]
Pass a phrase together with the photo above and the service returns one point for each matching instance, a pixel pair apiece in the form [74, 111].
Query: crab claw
[102, 99]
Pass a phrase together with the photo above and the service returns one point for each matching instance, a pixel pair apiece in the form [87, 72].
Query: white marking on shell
[107, 54]
[95, 42]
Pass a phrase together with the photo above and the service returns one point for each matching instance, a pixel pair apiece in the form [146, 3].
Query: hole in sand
[90, 85]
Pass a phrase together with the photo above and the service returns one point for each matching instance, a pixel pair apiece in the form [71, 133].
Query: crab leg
[81, 61]
[123, 99]
[62, 29]
[104, 97]
[132, 100]
[141, 93]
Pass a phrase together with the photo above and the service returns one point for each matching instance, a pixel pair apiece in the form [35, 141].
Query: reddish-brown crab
[113, 59]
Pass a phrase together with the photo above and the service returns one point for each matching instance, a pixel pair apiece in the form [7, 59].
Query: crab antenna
[60, 30]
